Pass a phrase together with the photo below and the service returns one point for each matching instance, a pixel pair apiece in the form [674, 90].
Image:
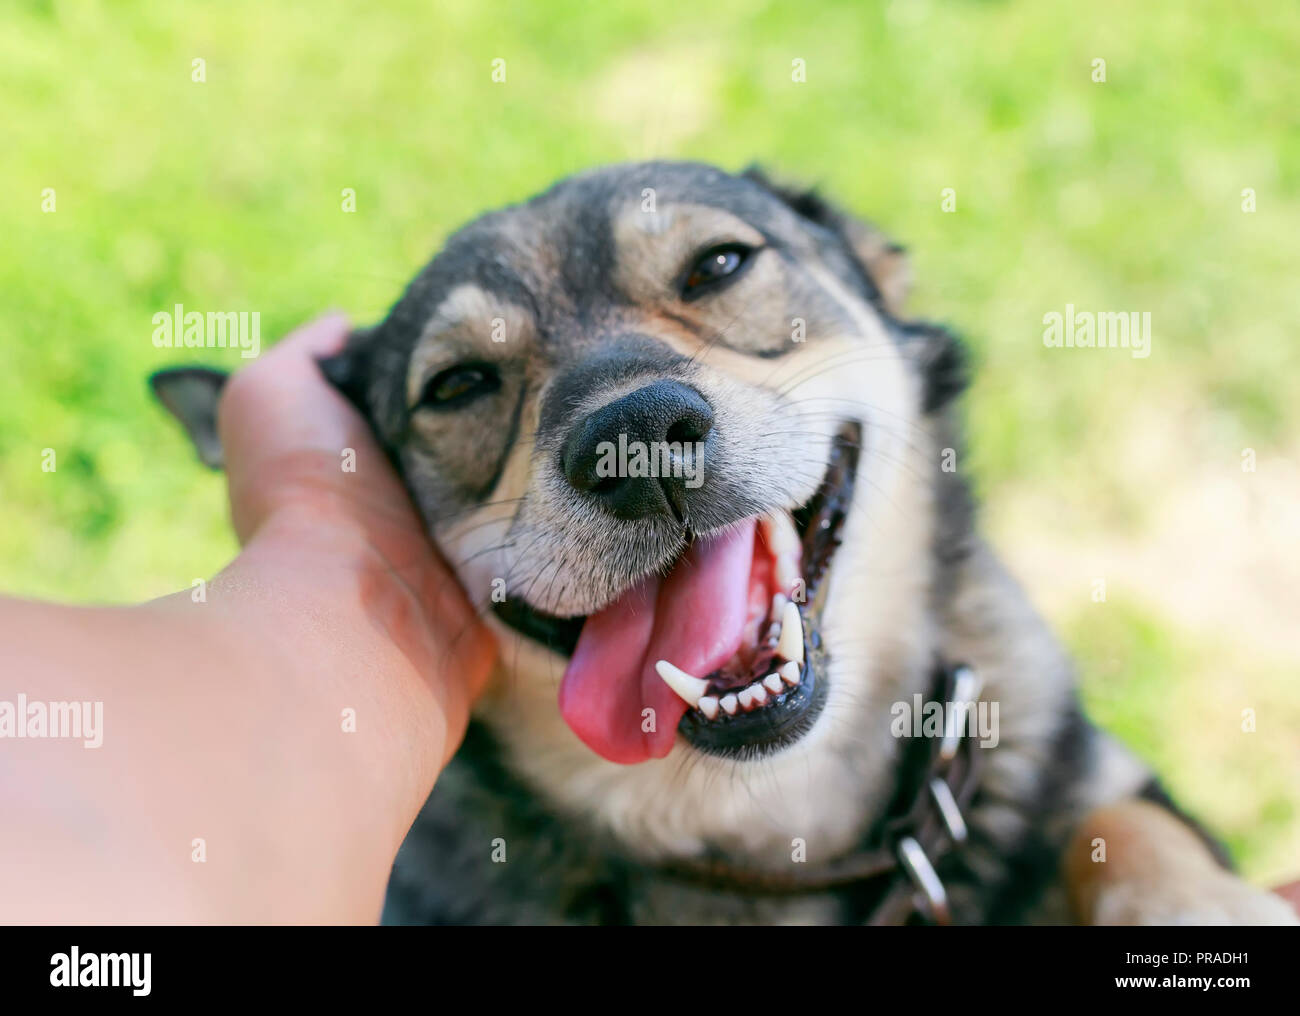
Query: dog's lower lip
[781, 720]
[558, 634]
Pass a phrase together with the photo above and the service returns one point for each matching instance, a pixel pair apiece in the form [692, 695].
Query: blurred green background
[1125, 194]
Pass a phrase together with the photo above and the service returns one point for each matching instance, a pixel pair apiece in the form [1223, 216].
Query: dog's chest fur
[487, 851]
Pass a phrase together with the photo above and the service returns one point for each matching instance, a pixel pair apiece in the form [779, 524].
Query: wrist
[313, 601]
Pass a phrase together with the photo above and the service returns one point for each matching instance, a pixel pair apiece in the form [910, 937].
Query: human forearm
[252, 683]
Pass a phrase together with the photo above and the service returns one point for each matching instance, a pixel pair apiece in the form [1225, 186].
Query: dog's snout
[640, 453]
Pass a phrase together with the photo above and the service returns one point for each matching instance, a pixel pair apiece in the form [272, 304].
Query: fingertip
[323, 336]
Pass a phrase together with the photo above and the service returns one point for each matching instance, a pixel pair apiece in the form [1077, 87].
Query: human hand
[265, 747]
[348, 536]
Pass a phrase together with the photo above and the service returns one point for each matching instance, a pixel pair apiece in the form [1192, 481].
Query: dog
[683, 446]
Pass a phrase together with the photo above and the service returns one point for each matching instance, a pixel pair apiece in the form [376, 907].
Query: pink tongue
[694, 619]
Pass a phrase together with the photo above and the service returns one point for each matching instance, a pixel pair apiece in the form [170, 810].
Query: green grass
[1183, 713]
[1123, 195]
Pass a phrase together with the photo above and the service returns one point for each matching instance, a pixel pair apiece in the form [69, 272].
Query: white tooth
[746, 698]
[758, 693]
[688, 686]
[774, 630]
[708, 705]
[783, 542]
[773, 684]
[779, 600]
[787, 572]
[791, 644]
[790, 673]
[779, 532]
[729, 703]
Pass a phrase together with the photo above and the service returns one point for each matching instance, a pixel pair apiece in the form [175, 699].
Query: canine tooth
[758, 693]
[688, 686]
[791, 645]
[790, 674]
[708, 705]
[787, 572]
[779, 532]
[729, 703]
[783, 542]
[773, 684]
[746, 698]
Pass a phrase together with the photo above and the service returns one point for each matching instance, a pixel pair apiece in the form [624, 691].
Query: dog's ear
[349, 370]
[883, 262]
[368, 374]
[938, 353]
[191, 394]
[346, 371]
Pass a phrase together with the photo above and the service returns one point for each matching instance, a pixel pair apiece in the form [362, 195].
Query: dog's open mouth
[725, 648]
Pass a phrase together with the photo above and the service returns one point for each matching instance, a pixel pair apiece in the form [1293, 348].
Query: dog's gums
[765, 693]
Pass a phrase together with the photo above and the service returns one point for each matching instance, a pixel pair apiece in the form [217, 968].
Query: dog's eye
[458, 385]
[714, 265]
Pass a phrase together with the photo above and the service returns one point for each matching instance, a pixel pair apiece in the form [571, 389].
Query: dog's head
[667, 427]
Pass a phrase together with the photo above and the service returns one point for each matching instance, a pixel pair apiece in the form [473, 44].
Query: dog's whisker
[838, 361]
[435, 521]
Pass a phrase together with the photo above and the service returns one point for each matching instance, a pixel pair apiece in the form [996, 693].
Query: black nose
[641, 454]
